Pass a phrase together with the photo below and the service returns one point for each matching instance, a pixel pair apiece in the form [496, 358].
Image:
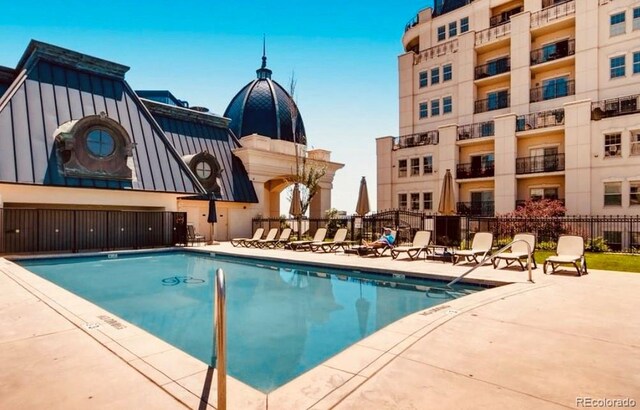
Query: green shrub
[547, 246]
[597, 244]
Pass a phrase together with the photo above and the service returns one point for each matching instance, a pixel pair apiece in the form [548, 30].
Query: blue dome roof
[264, 107]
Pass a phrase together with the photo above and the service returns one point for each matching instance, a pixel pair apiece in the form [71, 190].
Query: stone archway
[269, 161]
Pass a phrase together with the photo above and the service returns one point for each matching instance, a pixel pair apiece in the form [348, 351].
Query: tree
[542, 217]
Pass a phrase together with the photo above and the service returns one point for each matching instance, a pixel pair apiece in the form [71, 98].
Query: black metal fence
[68, 230]
[601, 233]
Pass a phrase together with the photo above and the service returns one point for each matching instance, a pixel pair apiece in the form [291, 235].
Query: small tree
[542, 217]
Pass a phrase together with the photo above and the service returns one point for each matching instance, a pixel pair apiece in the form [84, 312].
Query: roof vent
[200, 109]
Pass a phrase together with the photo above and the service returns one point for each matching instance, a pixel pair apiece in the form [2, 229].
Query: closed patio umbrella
[295, 209]
[447, 199]
[362, 207]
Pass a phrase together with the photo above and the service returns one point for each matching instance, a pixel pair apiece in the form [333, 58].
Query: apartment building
[520, 99]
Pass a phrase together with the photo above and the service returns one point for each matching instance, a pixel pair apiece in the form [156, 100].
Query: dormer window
[207, 169]
[203, 170]
[100, 143]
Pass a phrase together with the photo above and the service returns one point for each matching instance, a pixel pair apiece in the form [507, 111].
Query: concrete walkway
[523, 345]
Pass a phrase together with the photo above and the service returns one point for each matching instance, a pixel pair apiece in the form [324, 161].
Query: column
[505, 152]
[384, 172]
[520, 62]
[578, 157]
[321, 201]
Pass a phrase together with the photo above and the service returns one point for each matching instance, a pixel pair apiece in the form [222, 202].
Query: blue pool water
[282, 319]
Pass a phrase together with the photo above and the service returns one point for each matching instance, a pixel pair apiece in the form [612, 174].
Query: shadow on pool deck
[523, 345]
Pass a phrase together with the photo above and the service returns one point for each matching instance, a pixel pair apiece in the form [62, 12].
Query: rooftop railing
[414, 140]
[542, 119]
[492, 68]
[615, 107]
[476, 130]
[561, 49]
[544, 16]
[412, 23]
[492, 33]
[540, 163]
[551, 91]
[490, 104]
[436, 51]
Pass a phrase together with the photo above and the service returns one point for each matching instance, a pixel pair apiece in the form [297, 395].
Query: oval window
[100, 143]
[203, 170]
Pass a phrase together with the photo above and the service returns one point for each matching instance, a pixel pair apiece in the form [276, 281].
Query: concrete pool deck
[521, 345]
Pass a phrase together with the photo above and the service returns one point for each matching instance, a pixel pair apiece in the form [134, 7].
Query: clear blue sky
[343, 53]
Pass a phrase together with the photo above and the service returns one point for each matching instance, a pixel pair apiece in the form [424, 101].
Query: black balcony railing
[412, 23]
[465, 171]
[553, 12]
[503, 17]
[549, 3]
[492, 68]
[414, 140]
[492, 33]
[553, 51]
[476, 208]
[614, 107]
[540, 163]
[522, 202]
[490, 104]
[540, 119]
[551, 91]
[476, 130]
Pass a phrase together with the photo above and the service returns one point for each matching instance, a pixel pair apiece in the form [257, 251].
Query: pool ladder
[220, 338]
[488, 255]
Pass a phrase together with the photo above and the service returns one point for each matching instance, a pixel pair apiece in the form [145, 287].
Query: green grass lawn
[604, 261]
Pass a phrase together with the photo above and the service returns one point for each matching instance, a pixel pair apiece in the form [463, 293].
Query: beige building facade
[520, 99]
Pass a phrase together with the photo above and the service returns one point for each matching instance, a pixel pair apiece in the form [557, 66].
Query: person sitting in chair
[386, 239]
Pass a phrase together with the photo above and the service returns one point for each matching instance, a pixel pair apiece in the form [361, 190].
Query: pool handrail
[220, 330]
[489, 255]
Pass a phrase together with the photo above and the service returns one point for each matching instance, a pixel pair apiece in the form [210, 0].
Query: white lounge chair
[271, 235]
[481, 245]
[241, 241]
[376, 248]
[518, 251]
[421, 241]
[570, 250]
[282, 240]
[319, 236]
[339, 240]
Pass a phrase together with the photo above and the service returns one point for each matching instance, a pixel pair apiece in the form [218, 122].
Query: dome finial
[263, 72]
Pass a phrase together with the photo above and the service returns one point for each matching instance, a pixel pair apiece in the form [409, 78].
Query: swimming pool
[283, 319]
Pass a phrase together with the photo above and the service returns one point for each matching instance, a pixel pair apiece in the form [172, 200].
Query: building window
[203, 170]
[612, 145]
[435, 108]
[447, 72]
[100, 143]
[442, 33]
[453, 29]
[634, 193]
[402, 168]
[613, 193]
[613, 239]
[435, 75]
[635, 143]
[415, 202]
[617, 66]
[424, 110]
[555, 88]
[536, 194]
[427, 165]
[636, 18]
[497, 100]
[636, 62]
[402, 201]
[617, 24]
[427, 201]
[464, 25]
[447, 105]
[415, 166]
[424, 79]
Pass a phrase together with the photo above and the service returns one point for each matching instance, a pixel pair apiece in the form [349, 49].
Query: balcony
[551, 3]
[552, 13]
[477, 208]
[467, 171]
[551, 91]
[542, 119]
[476, 130]
[492, 33]
[615, 107]
[436, 51]
[553, 51]
[412, 23]
[492, 68]
[503, 17]
[490, 104]
[414, 140]
[540, 163]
